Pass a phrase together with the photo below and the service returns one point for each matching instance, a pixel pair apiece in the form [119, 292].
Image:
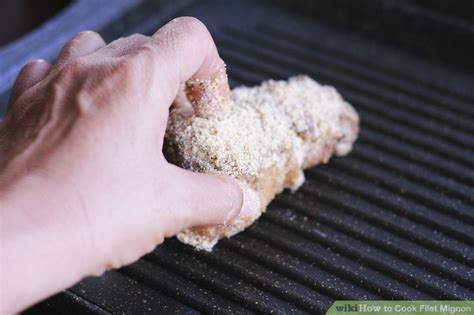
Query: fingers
[81, 44]
[31, 74]
[186, 50]
[201, 199]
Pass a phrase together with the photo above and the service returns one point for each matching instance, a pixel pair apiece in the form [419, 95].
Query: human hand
[84, 186]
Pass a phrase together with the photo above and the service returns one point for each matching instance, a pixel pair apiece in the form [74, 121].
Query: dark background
[17, 17]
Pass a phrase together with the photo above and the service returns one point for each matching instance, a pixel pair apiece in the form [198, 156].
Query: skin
[84, 186]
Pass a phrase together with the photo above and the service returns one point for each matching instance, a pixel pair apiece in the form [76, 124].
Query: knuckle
[189, 22]
[138, 61]
[134, 77]
[145, 54]
[32, 64]
[68, 49]
[84, 34]
[73, 67]
[186, 29]
[78, 39]
[126, 65]
[83, 102]
[127, 74]
[73, 41]
[125, 43]
[71, 71]
[195, 27]
[187, 26]
[138, 37]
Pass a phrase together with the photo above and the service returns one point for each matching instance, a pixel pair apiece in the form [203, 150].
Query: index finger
[188, 53]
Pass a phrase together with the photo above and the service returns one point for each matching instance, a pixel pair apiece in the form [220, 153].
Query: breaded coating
[264, 136]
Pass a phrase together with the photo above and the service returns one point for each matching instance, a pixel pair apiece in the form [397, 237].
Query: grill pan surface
[393, 220]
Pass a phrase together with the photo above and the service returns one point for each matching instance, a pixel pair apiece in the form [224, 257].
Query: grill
[393, 220]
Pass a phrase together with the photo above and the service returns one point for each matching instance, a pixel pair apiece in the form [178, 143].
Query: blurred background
[19, 17]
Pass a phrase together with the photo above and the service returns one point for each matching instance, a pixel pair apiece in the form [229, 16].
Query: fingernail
[250, 207]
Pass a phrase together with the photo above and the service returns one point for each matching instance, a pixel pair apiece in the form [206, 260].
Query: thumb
[196, 199]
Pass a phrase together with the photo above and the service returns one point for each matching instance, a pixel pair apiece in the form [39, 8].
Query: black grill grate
[393, 220]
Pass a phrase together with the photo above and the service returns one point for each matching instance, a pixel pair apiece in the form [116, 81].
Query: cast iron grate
[393, 220]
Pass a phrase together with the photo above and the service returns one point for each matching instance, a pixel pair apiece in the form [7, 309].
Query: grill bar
[422, 176]
[386, 241]
[121, 297]
[269, 280]
[415, 232]
[364, 253]
[248, 58]
[457, 228]
[221, 283]
[447, 115]
[314, 277]
[410, 209]
[425, 88]
[394, 141]
[313, 253]
[175, 285]
[393, 220]
[395, 183]
[410, 152]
